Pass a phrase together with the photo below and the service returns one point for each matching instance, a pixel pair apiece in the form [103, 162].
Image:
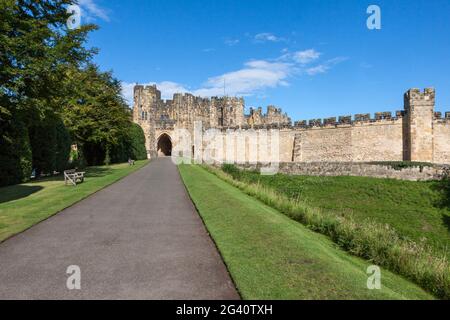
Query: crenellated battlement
[417, 97]
[273, 115]
[416, 133]
[438, 116]
[379, 117]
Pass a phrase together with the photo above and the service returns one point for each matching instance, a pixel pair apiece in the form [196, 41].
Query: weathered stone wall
[376, 140]
[435, 172]
[441, 141]
[274, 115]
[245, 146]
[381, 140]
[419, 107]
[415, 133]
[324, 144]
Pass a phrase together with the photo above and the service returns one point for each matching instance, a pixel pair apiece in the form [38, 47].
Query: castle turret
[419, 107]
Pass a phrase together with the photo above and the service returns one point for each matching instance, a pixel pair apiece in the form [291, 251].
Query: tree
[63, 146]
[51, 94]
[15, 151]
[98, 119]
[137, 143]
[36, 52]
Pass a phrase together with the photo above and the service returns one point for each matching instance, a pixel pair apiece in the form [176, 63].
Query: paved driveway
[140, 238]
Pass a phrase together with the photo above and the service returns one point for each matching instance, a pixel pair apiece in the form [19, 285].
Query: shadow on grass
[17, 192]
[97, 172]
[443, 188]
[446, 221]
[443, 202]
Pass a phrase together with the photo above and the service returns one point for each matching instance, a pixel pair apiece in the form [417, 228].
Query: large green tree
[36, 52]
[47, 77]
[98, 117]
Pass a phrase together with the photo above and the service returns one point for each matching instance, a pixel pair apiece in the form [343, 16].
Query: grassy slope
[412, 208]
[24, 205]
[273, 257]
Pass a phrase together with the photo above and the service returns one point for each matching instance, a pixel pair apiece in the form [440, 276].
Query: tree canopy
[51, 93]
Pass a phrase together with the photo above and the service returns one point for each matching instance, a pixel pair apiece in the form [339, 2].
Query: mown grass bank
[24, 205]
[378, 243]
[270, 256]
[419, 211]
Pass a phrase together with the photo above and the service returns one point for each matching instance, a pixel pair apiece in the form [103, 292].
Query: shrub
[137, 143]
[50, 144]
[15, 150]
[43, 147]
[232, 170]
[63, 146]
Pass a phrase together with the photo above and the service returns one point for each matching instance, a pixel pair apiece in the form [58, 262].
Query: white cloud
[306, 56]
[167, 88]
[253, 78]
[267, 37]
[127, 92]
[91, 11]
[256, 75]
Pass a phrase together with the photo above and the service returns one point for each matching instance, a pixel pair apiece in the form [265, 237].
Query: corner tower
[419, 107]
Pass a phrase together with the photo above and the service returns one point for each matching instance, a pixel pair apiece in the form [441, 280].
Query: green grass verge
[379, 243]
[270, 256]
[24, 205]
[416, 210]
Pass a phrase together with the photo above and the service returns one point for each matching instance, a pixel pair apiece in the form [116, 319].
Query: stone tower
[419, 107]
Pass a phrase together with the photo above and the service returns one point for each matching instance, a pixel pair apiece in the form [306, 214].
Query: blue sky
[312, 58]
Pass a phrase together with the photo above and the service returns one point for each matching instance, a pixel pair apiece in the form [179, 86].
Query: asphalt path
[140, 238]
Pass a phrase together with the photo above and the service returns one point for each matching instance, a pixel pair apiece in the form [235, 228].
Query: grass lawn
[414, 209]
[270, 256]
[24, 205]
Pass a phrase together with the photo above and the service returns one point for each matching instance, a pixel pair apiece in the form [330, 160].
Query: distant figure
[130, 162]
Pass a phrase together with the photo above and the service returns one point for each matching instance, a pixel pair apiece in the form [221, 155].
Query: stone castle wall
[416, 133]
[380, 140]
[359, 169]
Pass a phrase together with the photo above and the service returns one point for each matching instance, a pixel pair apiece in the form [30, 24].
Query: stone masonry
[416, 133]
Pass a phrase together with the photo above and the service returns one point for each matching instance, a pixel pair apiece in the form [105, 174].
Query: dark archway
[164, 145]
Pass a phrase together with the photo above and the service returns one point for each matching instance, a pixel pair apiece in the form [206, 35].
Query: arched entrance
[164, 145]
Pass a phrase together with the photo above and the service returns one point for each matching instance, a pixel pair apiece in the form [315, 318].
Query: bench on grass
[72, 176]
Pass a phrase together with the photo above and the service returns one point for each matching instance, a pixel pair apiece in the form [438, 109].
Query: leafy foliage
[15, 151]
[98, 117]
[51, 95]
[137, 143]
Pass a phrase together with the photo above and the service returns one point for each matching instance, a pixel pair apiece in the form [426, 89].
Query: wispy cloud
[317, 69]
[253, 78]
[365, 65]
[267, 37]
[92, 11]
[325, 66]
[306, 56]
[231, 42]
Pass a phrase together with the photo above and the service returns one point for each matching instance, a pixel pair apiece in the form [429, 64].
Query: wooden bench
[72, 176]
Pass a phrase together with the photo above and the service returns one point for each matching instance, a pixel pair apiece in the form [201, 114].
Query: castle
[416, 133]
